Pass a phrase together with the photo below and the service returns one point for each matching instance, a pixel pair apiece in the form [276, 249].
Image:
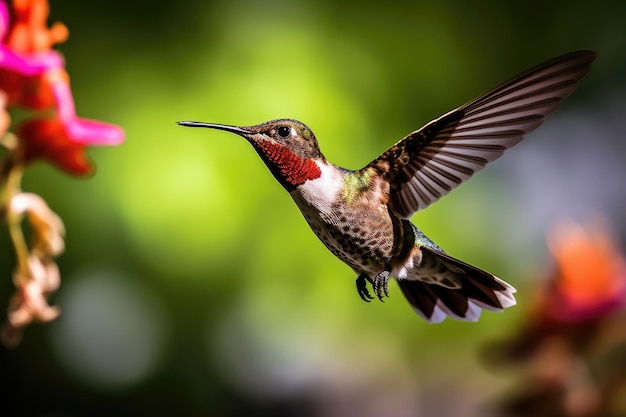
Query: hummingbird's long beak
[233, 129]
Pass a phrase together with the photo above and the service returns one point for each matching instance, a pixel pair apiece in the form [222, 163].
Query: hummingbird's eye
[283, 131]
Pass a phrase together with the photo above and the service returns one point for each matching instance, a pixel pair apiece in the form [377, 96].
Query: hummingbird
[362, 216]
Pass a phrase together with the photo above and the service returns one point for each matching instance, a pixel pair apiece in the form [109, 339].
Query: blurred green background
[192, 286]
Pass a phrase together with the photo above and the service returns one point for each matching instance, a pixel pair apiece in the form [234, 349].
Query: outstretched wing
[430, 162]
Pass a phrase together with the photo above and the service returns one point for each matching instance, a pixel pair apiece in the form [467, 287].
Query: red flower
[33, 76]
[47, 139]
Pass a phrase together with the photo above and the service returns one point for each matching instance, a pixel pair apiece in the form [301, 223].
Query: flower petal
[93, 132]
[30, 64]
[47, 139]
[83, 131]
[29, 30]
[590, 280]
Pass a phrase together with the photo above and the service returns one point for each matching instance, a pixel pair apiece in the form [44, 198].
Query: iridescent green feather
[356, 183]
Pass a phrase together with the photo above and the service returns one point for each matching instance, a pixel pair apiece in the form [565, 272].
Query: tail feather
[478, 290]
[420, 296]
[456, 301]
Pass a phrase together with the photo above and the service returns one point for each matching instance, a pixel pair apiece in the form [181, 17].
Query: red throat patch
[292, 169]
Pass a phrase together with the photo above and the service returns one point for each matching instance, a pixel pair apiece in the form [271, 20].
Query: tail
[474, 290]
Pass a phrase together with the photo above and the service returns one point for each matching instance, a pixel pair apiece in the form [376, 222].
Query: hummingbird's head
[288, 147]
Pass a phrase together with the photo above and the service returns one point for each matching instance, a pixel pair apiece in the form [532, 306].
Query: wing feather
[430, 162]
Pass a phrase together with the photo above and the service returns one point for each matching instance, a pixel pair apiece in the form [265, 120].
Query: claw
[380, 284]
[361, 287]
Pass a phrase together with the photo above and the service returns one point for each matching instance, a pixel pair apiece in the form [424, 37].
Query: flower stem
[12, 172]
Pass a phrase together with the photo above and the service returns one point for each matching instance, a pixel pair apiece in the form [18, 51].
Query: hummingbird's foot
[361, 287]
[380, 284]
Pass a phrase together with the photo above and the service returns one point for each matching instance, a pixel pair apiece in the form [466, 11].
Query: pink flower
[33, 76]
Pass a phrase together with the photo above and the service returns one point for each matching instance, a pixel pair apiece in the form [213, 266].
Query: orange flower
[26, 53]
[590, 276]
[29, 33]
[569, 348]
